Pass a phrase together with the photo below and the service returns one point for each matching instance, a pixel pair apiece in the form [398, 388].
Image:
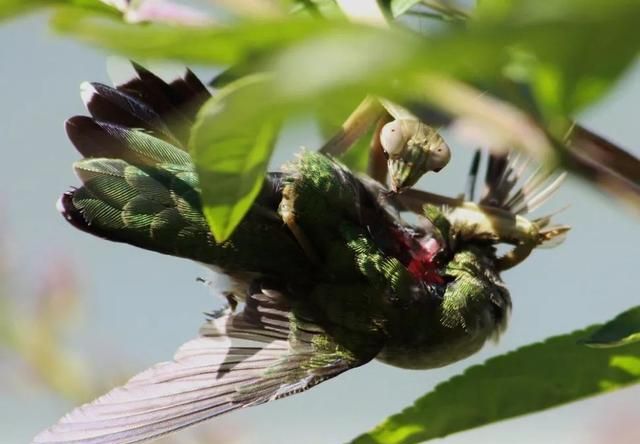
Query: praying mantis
[403, 146]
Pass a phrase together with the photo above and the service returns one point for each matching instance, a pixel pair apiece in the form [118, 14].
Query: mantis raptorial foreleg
[357, 124]
[410, 147]
[378, 167]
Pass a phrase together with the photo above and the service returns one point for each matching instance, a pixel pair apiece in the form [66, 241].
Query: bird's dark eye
[437, 170]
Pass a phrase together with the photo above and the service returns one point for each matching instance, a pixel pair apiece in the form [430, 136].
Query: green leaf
[231, 157]
[622, 330]
[527, 380]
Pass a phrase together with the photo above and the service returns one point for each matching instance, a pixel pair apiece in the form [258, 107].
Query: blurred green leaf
[231, 158]
[622, 330]
[526, 11]
[333, 64]
[527, 380]
[567, 69]
[554, 51]
[11, 8]
[214, 45]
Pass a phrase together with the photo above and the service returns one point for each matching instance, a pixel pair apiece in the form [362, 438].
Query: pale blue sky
[141, 306]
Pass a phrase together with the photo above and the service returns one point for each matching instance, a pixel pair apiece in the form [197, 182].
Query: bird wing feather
[239, 359]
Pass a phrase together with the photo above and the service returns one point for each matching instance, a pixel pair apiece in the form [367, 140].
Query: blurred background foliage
[35, 332]
[507, 73]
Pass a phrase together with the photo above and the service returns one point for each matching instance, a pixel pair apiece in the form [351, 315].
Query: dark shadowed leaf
[527, 380]
[622, 330]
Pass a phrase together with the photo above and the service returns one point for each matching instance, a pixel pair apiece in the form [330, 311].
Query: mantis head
[412, 149]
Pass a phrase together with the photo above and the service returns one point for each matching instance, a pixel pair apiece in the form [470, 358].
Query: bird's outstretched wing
[255, 356]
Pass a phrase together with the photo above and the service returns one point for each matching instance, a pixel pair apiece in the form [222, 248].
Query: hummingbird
[325, 273]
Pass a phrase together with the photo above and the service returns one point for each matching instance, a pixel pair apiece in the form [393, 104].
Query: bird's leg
[356, 125]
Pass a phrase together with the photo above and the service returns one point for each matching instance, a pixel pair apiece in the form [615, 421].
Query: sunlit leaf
[231, 157]
[622, 330]
[527, 380]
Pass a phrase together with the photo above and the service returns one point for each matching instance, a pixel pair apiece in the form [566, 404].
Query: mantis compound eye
[439, 156]
[392, 138]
